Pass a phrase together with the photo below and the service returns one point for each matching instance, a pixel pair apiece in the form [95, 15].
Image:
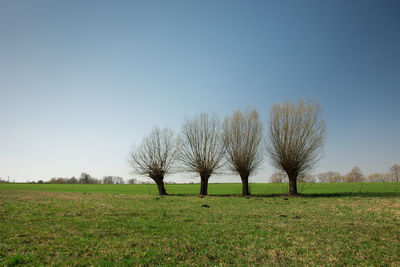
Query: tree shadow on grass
[354, 194]
[318, 195]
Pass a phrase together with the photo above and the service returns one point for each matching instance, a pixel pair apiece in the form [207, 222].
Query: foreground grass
[217, 189]
[63, 228]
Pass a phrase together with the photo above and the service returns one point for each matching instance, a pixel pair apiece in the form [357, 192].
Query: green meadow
[215, 189]
[124, 225]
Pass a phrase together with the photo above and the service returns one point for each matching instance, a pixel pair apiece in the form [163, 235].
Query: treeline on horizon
[355, 175]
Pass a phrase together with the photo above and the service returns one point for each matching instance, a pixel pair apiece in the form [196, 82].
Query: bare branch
[242, 134]
[201, 149]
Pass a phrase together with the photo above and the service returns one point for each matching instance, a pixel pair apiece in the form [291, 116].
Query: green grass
[216, 189]
[129, 225]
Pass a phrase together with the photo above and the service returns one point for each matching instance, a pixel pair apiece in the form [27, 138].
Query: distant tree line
[86, 178]
[355, 175]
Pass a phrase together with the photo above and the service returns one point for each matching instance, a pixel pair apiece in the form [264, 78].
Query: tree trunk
[160, 185]
[204, 184]
[292, 184]
[245, 184]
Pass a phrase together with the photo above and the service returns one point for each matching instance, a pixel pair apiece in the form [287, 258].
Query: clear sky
[82, 81]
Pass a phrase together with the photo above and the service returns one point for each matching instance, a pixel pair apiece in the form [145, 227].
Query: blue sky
[82, 81]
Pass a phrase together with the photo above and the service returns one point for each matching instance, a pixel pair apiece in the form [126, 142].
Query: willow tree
[242, 135]
[155, 156]
[202, 150]
[296, 137]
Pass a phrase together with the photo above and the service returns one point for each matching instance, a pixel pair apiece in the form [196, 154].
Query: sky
[81, 82]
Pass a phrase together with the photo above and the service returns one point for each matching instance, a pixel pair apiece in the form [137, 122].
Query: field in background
[216, 189]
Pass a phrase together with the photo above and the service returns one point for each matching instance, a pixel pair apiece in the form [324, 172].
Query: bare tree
[378, 177]
[113, 180]
[327, 177]
[155, 156]
[108, 180]
[355, 175]
[296, 136]
[73, 180]
[279, 177]
[395, 172]
[85, 178]
[306, 178]
[337, 179]
[242, 134]
[202, 149]
[118, 180]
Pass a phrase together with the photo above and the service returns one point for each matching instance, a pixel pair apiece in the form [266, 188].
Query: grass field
[106, 225]
[216, 189]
